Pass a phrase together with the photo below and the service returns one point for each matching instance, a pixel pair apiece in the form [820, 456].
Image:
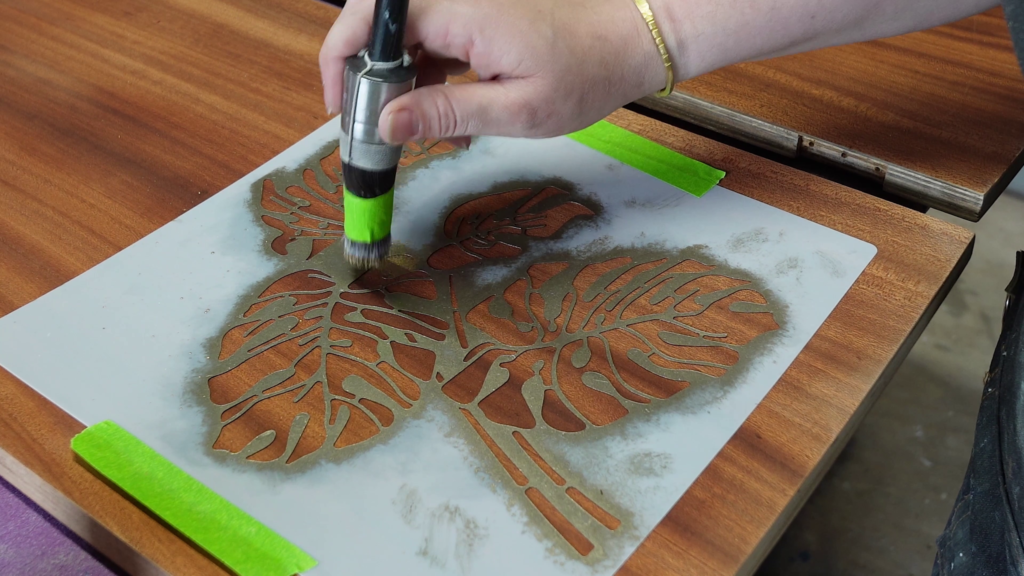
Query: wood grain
[944, 103]
[115, 118]
[119, 116]
[735, 511]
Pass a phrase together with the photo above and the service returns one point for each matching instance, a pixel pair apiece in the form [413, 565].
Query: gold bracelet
[645, 10]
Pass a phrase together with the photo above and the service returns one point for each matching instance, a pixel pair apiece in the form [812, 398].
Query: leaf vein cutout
[309, 210]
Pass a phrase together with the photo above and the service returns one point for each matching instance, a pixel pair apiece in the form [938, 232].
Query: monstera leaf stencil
[480, 228]
[621, 334]
[307, 210]
[312, 363]
[326, 359]
[308, 214]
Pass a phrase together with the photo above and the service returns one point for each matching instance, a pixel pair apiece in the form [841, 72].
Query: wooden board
[140, 110]
[936, 114]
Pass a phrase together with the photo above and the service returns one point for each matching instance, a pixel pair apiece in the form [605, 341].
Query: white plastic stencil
[631, 327]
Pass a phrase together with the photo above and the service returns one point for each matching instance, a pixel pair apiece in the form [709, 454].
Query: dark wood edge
[915, 186]
[77, 520]
[811, 482]
[725, 121]
[1003, 183]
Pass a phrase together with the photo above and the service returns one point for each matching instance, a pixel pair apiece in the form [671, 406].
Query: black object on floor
[983, 536]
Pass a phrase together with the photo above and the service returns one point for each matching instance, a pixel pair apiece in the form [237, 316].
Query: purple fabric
[33, 543]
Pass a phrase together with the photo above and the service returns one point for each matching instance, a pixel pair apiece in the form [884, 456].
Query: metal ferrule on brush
[369, 163]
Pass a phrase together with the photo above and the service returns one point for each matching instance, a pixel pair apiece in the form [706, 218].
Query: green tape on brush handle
[368, 220]
[230, 535]
[666, 165]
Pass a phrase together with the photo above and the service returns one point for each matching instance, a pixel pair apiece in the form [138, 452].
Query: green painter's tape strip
[368, 219]
[238, 540]
[664, 164]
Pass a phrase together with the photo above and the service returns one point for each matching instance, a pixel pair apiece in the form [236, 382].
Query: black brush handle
[388, 30]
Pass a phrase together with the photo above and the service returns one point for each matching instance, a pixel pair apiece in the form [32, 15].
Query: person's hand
[546, 68]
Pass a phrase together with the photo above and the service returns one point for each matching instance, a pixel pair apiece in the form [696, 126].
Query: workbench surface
[937, 116]
[119, 115]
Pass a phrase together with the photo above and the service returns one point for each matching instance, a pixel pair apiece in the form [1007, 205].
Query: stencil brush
[377, 75]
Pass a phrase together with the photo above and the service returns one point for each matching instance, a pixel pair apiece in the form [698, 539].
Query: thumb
[491, 108]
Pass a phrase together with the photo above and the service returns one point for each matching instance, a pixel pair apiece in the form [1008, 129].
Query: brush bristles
[366, 256]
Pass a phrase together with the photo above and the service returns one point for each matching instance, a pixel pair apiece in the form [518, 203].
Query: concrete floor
[886, 500]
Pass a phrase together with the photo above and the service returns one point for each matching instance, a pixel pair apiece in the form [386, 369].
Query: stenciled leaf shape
[312, 363]
[306, 212]
[622, 335]
[480, 228]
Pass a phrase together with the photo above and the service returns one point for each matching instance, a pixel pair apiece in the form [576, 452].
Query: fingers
[349, 34]
[500, 108]
[460, 141]
[431, 70]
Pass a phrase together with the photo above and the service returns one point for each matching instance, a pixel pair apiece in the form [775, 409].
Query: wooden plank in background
[117, 116]
[938, 114]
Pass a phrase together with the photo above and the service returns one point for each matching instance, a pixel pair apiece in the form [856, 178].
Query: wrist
[647, 59]
[674, 33]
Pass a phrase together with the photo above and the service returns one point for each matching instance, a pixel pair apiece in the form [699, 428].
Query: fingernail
[402, 125]
[330, 111]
